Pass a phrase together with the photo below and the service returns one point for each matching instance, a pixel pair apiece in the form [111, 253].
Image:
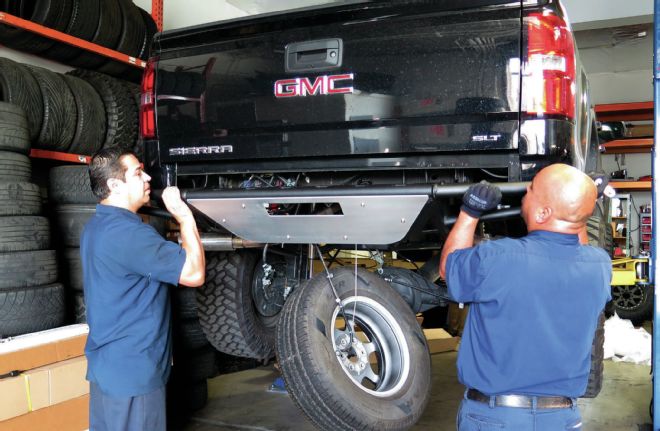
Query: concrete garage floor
[239, 401]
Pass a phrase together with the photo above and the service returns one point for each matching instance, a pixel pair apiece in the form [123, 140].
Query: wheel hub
[269, 297]
[353, 356]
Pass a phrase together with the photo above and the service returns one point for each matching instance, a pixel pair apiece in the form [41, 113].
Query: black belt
[521, 401]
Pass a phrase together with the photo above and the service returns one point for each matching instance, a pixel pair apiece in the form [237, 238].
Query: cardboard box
[22, 394]
[43, 387]
[34, 350]
[440, 340]
[71, 415]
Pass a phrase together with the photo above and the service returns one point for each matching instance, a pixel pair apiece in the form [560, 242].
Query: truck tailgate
[344, 81]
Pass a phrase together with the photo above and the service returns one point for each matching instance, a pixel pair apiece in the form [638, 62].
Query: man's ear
[542, 215]
[112, 184]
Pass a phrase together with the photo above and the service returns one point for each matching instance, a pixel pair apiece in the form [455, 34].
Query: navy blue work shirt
[125, 265]
[534, 307]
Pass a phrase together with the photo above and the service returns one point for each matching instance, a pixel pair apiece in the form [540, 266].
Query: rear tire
[391, 362]
[226, 308]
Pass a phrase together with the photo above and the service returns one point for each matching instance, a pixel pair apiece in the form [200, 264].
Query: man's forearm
[194, 269]
[460, 236]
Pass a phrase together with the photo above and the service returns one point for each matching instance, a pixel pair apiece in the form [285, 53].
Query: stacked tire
[78, 113]
[30, 297]
[73, 205]
[114, 24]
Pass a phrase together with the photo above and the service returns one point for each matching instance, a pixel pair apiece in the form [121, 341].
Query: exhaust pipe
[222, 242]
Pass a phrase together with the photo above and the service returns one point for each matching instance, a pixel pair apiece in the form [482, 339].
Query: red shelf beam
[56, 155]
[71, 40]
[635, 111]
[631, 185]
[633, 145]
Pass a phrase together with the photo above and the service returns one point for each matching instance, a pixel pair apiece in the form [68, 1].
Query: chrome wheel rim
[377, 360]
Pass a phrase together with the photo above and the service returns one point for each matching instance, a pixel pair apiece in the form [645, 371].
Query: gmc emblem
[326, 84]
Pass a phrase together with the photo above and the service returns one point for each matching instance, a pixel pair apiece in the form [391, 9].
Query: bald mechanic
[525, 355]
[126, 268]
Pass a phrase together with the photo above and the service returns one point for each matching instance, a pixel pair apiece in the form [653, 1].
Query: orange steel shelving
[635, 111]
[71, 40]
[632, 145]
[157, 13]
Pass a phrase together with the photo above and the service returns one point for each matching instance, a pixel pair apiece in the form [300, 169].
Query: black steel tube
[431, 190]
[156, 212]
[442, 191]
[504, 213]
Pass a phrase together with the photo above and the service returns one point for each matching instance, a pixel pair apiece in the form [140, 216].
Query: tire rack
[5, 18]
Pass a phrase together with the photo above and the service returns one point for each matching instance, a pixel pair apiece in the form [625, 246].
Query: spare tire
[360, 382]
[19, 198]
[31, 309]
[14, 131]
[90, 122]
[53, 14]
[131, 39]
[19, 87]
[107, 32]
[71, 185]
[71, 220]
[151, 29]
[82, 24]
[27, 268]
[24, 233]
[14, 167]
[72, 269]
[59, 121]
[121, 113]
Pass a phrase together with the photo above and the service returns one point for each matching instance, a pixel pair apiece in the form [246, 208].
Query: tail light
[147, 106]
[548, 85]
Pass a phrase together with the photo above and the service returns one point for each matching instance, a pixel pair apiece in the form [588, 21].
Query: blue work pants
[141, 413]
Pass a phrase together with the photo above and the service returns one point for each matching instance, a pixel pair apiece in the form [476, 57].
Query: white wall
[589, 14]
[179, 13]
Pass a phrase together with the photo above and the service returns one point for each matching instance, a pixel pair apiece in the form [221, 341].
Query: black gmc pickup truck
[353, 129]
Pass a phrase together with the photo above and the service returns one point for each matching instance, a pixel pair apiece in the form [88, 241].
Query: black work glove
[481, 197]
[601, 180]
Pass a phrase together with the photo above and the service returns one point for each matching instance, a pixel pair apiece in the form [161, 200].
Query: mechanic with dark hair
[525, 355]
[126, 268]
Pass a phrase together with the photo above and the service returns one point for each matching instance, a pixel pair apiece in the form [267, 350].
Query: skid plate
[365, 219]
